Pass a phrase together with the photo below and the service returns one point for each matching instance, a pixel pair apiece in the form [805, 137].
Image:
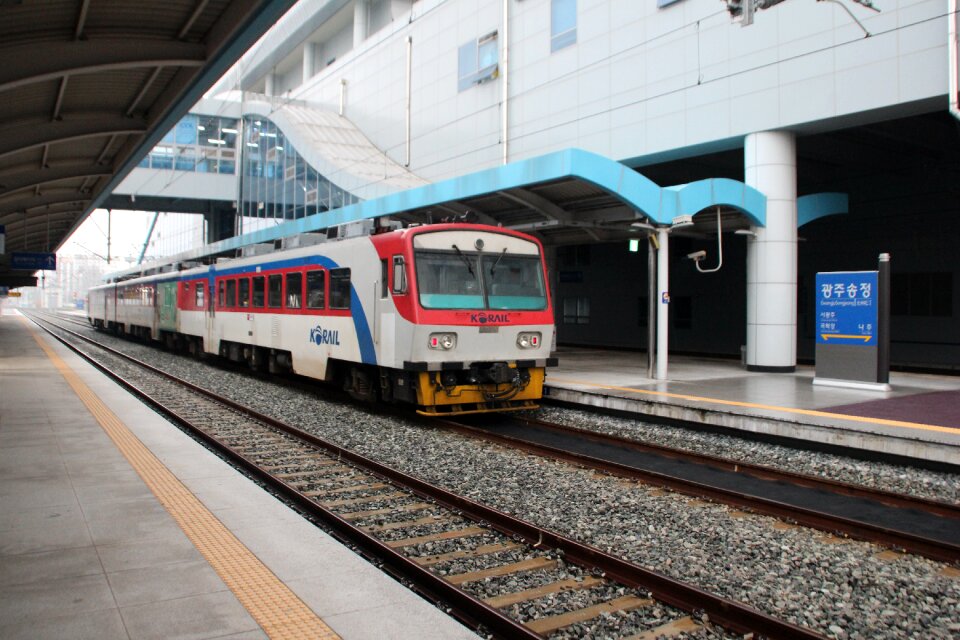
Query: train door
[166, 308]
[244, 300]
[210, 345]
[392, 279]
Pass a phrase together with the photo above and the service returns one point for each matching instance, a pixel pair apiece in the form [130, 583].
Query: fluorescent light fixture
[226, 130]
[253, 144]
[264, 134]
[200, 127]
[216, 141]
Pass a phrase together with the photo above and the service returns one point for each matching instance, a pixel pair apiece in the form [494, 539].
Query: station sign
[849, 331]
[29, 261]
[847, 308]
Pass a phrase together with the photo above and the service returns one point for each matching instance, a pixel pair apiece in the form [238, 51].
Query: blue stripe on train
[368, 354]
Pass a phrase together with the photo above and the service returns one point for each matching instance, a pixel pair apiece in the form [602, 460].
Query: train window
[399, 275]
[315, 289]
[274, 291]
[258, 291]
[243, 292]
[198, 295]
[221, 288]
[294, 290]
[339, 288]
[231, 293]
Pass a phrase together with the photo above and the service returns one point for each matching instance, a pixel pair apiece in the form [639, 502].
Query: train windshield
[457, 279]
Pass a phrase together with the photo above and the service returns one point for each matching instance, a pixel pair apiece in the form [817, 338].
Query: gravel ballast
[841, 588]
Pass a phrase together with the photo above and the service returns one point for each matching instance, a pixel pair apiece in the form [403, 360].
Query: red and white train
[452, 318]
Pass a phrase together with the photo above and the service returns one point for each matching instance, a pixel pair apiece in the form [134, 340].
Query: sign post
[849, 330]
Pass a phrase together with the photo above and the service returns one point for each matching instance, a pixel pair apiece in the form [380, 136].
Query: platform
[93, 545]
[918, 418]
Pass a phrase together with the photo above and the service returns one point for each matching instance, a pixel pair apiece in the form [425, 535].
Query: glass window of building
[277, 183]
[563, 23]
[477, 61]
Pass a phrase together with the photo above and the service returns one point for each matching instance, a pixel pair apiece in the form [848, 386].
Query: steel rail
[730, 614]
[898, 500]
[934, 549]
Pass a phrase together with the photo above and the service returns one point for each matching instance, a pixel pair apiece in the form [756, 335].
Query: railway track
[925, 527]
[497, 573]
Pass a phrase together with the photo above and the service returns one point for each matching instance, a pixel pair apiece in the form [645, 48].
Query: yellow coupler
[435, 400]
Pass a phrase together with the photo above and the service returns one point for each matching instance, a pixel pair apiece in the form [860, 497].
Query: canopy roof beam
[42, 61]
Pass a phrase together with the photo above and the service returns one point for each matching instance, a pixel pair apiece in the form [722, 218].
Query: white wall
[639, 81]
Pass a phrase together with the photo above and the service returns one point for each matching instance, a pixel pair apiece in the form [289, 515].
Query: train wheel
[362, 384]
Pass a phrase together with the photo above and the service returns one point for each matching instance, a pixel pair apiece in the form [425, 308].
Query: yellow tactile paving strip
[278, 611]
[767, 407]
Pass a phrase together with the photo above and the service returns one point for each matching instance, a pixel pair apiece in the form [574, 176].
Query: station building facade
[793, 98]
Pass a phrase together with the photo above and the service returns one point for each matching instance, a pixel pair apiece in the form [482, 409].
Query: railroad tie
[445, 535]
[483, 550]
[560, 586]
[668, 630]
[390, 526]
[550, 624]
[353, 501]
[360, 515]
[524, 565]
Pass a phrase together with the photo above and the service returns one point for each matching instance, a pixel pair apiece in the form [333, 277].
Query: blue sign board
[847, 308]
[33, 261]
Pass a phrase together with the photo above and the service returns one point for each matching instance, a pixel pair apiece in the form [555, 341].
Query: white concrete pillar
[270, 84]
[770, 166]
[663, 297]
[360, 20]
[309, 60]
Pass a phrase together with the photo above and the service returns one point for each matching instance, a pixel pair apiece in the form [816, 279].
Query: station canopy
[87, 88]
[565, 197]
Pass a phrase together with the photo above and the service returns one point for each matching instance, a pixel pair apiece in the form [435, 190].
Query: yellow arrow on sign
[827, 336]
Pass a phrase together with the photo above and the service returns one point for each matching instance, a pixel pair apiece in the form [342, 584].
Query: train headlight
[443, 341]
[528, 339]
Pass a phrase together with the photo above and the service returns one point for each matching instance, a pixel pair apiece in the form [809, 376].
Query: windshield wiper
[493, 267]
[465, 261]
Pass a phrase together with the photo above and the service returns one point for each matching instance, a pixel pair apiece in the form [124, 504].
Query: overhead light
[200, 127]
[265, 134]
[253, 144]
[745, 232]
[226, 130]
[216, 141]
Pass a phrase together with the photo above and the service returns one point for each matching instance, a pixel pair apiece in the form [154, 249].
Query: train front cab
[482, 322]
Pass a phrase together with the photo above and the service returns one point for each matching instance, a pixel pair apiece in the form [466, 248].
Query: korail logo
[486, 318]
[319, 335]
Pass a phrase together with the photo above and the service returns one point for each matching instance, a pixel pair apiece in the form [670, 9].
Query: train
[452, 318]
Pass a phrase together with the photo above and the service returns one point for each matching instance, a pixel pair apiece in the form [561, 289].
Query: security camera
[697, 256]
